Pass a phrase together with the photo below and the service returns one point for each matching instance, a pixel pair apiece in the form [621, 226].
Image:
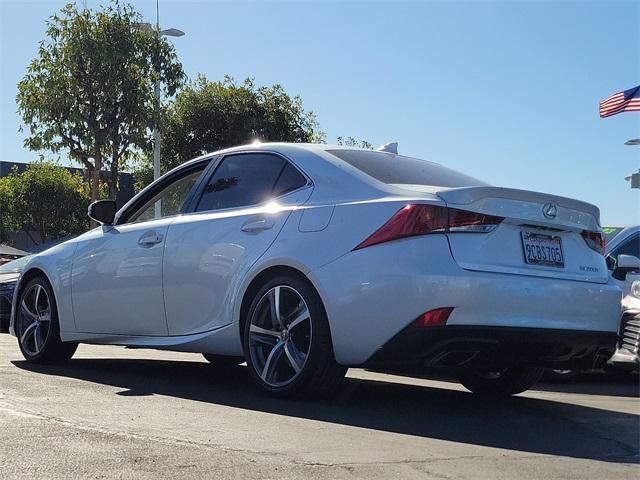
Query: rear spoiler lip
[571, 214]
[473, 193]
[469, 195]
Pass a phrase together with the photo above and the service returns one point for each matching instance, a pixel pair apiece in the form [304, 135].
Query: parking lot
[119, 413]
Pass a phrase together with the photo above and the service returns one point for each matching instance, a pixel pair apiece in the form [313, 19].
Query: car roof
[347, 183]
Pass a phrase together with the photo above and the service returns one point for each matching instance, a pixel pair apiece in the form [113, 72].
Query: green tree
[207, 116]
[6, 220]
[90, 90]
[46, 199]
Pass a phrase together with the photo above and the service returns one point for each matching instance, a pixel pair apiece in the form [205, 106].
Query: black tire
[552, 375]
[504, 383]
[223, 360]
[320, 375]
[53, 350]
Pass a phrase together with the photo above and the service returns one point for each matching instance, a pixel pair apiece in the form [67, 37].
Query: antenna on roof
[390, 147]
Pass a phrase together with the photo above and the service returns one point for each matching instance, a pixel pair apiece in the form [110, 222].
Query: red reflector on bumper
[434, 318]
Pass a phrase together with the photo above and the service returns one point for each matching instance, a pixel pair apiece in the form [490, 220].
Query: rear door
[541, 235]
[235, 218]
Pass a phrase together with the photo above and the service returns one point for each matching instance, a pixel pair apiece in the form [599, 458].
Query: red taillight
[434, 318]
[418, 219]
[409, 221]
[464, 221]
[594, 240]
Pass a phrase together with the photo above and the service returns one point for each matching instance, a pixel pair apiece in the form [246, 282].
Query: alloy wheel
[280, 336]
[34, 319]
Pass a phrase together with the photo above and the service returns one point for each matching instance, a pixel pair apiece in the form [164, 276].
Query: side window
[166, 202]
[290, 179]
[629, 247]
[249, 179]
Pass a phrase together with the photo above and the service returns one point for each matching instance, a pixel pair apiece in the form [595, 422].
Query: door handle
[253, 226]
[149, 239]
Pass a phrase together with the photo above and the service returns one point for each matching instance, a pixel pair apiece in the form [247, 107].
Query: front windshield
[14, 266]
[610, 233]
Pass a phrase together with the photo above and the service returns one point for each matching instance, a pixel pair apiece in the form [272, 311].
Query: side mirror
[624, 265]
[103, 211]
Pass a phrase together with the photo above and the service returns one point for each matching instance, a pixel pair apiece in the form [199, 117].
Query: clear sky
[504, 91]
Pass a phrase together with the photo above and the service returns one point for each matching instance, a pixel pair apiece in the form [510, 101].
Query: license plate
[541, 249]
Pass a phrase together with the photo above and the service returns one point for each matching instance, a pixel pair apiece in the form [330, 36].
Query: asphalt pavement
[143, 414]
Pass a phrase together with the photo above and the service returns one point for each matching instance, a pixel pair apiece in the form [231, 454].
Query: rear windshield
[392, 169]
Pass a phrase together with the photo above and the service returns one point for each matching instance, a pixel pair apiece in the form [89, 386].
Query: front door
[116, 276]
[117, 280]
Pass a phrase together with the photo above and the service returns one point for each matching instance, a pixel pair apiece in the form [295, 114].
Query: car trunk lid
[541, 234]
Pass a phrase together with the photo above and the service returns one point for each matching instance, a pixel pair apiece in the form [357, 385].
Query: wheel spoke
[300, 317]
[263, 331]
[36, 299]
[30, 330]
[263, 335]
[274, 307]
[294, 357]
[271, 341]
[29, 313]
[37, 338]
[269, 370]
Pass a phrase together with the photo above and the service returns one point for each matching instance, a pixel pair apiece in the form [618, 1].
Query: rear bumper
[372, 294]
[478, 347]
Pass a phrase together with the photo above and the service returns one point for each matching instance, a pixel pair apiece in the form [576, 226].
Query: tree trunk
[95, 181]
[113, 179]
[43, 234]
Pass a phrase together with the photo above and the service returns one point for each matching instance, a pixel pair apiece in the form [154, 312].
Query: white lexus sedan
[304, 260]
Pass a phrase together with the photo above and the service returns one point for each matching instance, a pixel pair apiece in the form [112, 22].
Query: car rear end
[482, 276]
[534, 290]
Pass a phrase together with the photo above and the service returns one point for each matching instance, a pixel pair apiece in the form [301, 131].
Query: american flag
[627, 101]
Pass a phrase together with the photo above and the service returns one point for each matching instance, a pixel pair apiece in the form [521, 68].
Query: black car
[9, 273]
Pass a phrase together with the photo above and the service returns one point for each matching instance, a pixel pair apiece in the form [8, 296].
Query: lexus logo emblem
[550, 210]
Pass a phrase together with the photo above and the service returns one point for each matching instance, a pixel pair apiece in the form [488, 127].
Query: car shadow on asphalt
[518, 423]
[618, 384]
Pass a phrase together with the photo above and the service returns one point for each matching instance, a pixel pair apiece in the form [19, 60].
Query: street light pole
[156, 135]
[170, 32]
[634, 177]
